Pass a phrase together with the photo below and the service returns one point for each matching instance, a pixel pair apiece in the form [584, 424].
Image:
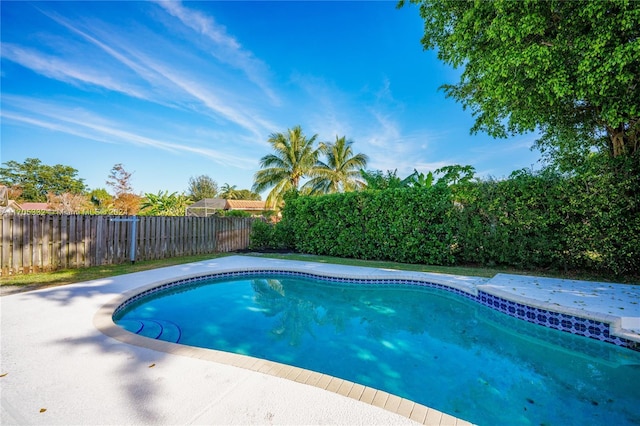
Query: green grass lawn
[476, 271]
[69, 276]
[453, 270]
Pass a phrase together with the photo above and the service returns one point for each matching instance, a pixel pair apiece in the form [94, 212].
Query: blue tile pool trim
[564, 322]
[580, 326]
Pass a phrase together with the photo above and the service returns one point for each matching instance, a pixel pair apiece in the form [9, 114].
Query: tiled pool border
[555, 319]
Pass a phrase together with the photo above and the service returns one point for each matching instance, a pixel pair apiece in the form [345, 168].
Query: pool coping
[472, 286]
[368, 395]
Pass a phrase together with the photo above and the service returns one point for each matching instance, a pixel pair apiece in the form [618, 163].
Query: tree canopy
[568, 69]
[201, 187]
[120, 180]
[34, 180]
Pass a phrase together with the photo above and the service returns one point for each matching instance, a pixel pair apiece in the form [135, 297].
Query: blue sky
[176, 90]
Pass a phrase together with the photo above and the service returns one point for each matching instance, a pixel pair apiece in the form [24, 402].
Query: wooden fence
[37, 243]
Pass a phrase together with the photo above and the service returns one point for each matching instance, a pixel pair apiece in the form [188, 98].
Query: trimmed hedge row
[396, 224]
[589, 222]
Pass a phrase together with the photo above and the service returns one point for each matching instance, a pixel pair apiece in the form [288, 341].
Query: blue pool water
[423, 344]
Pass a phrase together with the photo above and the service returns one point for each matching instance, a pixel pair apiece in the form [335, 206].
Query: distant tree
[456, 174]
[128, 204]
[228, 192]
[101, 200]
[377, 180]
[34, 180]
[569, 69]
[125, 201]
[341, 170]
[68, 203]
[460, 179]
[164, 204]
[120, 180]
[246, 194]
[201, 187]
[293, 158]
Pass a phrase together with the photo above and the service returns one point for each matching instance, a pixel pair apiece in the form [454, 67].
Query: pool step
[155, 329]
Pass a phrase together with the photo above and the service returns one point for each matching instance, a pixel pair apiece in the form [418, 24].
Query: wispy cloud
[158, 75]
[207, 97]
[155, 79]
[225, 47]
[378, 130]
[321, 108]
[386, 132]
[404, 158]
[57, 68]
[85, 124]
[140, 69]
[396, 147]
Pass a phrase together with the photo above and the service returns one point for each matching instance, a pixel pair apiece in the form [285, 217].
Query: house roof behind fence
[210, 203]
[245, 205]
[35, 207]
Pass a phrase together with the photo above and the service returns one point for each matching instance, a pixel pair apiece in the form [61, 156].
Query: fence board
[71, 245]
[5, 250]
[77, 240]
[64, 243]
[46, 243]
[17, 244]
[181, 232]
[37, 244]
[86, 246]
[97, 241]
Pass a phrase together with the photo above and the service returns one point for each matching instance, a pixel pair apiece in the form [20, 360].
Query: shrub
[269, 236]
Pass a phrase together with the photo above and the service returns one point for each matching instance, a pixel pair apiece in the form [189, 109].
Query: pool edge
[103, 321]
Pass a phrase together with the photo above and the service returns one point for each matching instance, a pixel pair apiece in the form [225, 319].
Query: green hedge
[403, 225]
[516, 222]
[588, 221]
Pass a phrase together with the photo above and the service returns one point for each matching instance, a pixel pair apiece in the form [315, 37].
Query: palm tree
[229, 192]
[341, 172]
[293, 159]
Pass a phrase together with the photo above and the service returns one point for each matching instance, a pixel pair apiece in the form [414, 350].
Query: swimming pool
[425, 344]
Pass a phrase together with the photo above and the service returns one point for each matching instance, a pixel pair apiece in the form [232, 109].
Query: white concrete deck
[57, 367]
